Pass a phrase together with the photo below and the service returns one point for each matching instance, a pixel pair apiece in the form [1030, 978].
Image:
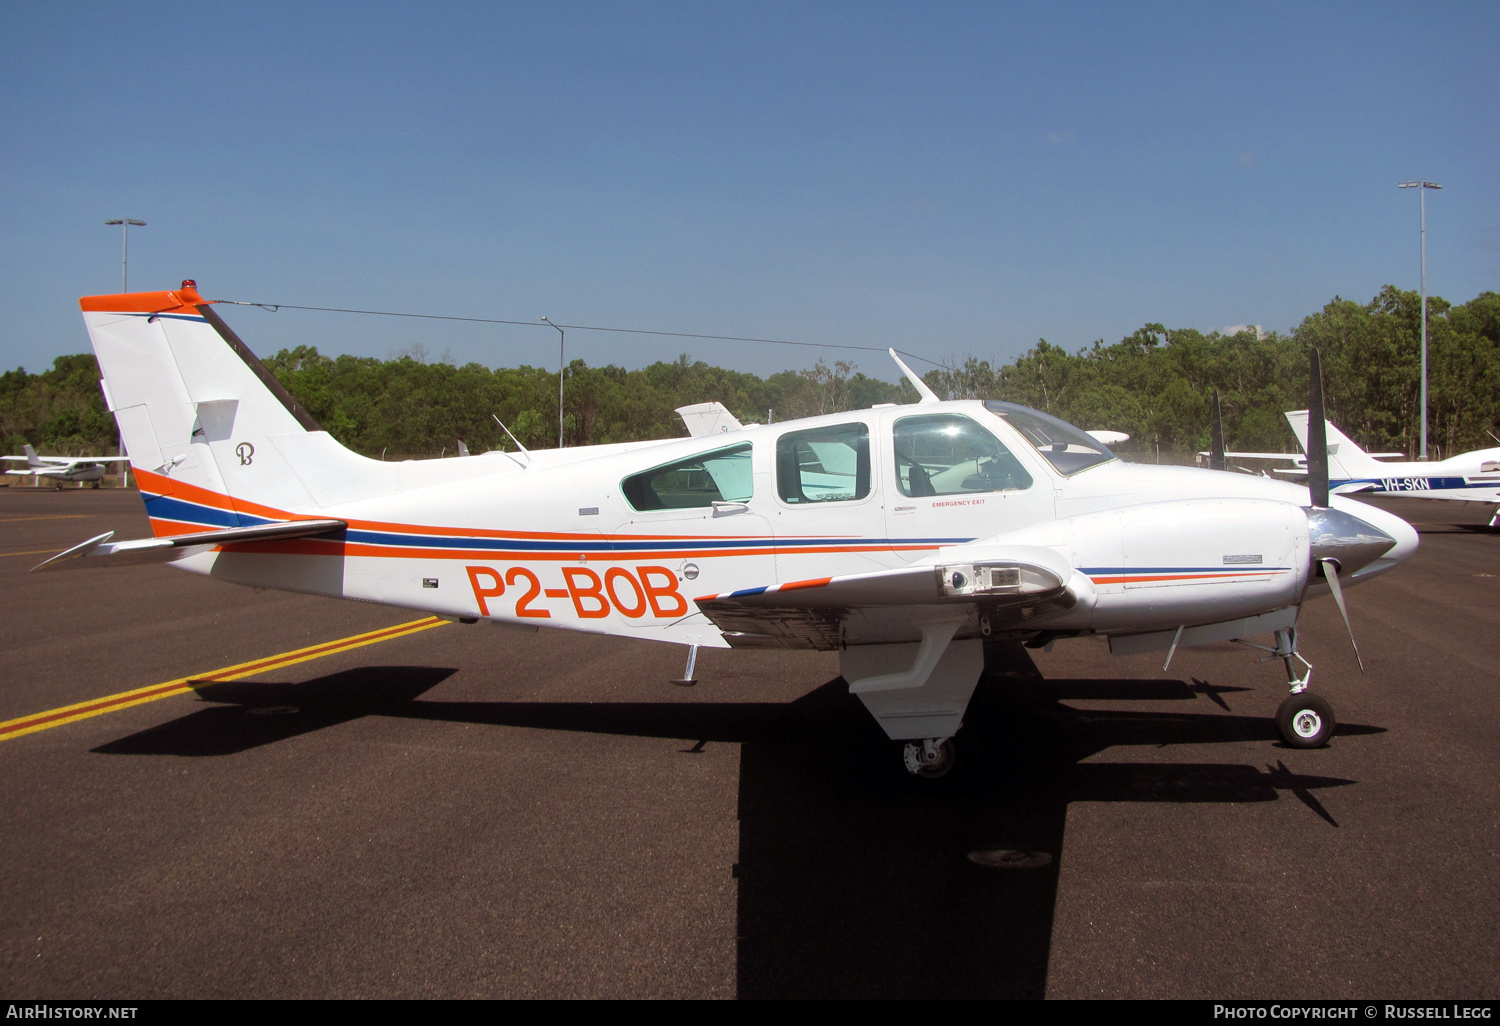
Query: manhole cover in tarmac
[274, 710]
[1007, 858]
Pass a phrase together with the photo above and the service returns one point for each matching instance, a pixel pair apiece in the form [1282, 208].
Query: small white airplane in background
[63, 468]
[1468, 477]
[899, 536]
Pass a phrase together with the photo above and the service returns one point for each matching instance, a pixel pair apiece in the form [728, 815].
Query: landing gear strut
[1303, 720]
[931, 757]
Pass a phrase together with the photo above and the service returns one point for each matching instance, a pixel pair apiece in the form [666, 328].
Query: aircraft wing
[1011, 584]
[1354, 486]
[1295, 457]
[161, 550]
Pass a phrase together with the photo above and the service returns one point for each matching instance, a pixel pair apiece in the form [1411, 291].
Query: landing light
[980, 579]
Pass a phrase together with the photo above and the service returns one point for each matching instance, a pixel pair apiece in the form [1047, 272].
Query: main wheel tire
[911, 755]
[1305, 721]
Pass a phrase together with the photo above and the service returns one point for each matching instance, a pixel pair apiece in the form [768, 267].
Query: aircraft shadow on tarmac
[855, 879]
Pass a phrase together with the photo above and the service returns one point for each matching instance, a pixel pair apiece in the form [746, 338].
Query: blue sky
[953, 179]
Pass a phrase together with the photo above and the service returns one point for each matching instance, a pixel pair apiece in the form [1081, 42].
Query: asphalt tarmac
[465, 811]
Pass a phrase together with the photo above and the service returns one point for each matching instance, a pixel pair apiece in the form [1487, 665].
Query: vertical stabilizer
[1346, 461]
[708, 419]
[214, 438]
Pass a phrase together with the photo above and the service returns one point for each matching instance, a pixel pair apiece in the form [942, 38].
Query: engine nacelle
[1186, 561]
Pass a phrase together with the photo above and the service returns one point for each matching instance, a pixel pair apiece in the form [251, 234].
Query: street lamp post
[562, 338]
[1422, 188]
[125, 223]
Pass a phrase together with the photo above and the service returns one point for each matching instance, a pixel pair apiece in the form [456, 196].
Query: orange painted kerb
[184, 300]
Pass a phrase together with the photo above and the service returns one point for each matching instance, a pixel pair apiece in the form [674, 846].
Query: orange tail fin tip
[183, 300]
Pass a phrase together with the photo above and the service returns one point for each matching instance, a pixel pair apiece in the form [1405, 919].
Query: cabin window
[948, 454]
[828, 464]
[719, 476]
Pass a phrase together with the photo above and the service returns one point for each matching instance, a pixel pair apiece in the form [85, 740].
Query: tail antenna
[1317, 433]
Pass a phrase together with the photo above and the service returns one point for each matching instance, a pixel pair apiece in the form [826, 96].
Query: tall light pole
[562, 338]
[1422, 188]
[125, 223]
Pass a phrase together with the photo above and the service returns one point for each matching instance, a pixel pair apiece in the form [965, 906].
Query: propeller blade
[1331, 575]
[1216, 433]
[1317, 433]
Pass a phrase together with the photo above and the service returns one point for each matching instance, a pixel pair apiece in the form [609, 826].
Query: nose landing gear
[1303, 720]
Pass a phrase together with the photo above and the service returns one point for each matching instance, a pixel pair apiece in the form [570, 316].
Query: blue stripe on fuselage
[1413, 483]
[164, 507]
[585, 543]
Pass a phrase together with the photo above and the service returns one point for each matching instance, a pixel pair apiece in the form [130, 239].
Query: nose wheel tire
[930, 758]
[1305, 721]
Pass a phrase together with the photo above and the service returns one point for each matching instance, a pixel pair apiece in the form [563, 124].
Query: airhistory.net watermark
[51, 1010]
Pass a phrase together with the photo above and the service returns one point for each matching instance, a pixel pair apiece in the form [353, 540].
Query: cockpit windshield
[1067, 448]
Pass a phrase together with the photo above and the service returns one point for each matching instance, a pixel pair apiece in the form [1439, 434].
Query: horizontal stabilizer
[161, 550]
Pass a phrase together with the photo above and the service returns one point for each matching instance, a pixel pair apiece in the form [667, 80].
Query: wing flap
[161, 550]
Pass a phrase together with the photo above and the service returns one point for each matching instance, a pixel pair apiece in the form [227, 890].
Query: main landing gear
[1303, 720]
[931, 757]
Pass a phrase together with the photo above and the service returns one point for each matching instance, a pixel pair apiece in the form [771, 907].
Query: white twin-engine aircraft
[899, 536]
[63, 468]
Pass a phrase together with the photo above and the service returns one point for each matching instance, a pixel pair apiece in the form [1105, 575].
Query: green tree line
[1154, 384]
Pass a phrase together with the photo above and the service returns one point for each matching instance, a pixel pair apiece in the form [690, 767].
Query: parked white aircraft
[1469, 477]
[899, 536]
[63, 468]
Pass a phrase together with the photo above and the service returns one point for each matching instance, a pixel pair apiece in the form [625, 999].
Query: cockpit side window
[719, 476]
[949, 454]
[828, 464]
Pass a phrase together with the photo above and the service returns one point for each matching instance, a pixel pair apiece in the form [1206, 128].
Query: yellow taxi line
[139, 696]
[28, 552]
